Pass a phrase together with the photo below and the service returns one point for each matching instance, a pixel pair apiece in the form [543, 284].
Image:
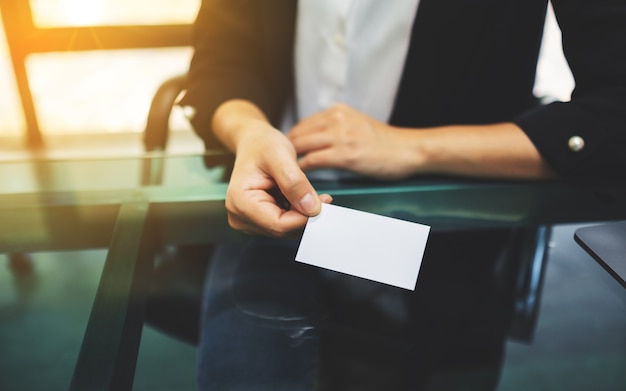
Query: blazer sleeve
[231, 60]
[585, 139]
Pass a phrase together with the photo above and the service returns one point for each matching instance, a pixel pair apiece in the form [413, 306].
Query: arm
[342, 137]
[238, 90]
[498, 150]
[528, 143]
[594, 44]
[230, 60]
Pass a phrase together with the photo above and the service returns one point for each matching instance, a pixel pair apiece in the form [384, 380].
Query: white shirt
[352, 52]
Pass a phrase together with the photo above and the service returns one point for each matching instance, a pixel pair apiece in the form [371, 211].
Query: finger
[326, 198]
[268, 220]
[295, 186]
[313, 124]
[311, 142]
[323, 158]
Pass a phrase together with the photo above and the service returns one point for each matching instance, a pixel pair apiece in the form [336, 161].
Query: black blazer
[469, 62]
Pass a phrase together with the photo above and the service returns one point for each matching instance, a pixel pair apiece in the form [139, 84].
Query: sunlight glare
[86, 13]
[82, 12]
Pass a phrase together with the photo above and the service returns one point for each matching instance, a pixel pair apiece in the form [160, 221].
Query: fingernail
[308, 204]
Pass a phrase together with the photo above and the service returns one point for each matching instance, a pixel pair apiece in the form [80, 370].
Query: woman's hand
[265, 171]
[342, 137]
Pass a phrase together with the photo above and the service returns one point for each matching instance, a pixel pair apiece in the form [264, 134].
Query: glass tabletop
[90, 191]
[567, 316]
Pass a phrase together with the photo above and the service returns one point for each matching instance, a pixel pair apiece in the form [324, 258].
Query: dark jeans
[271, 323]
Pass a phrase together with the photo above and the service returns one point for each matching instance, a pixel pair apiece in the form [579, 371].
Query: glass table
[132, 207]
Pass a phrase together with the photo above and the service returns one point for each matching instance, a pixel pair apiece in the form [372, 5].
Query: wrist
[235, 121]
[411, 151]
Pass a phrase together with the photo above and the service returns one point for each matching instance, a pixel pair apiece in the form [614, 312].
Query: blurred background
[83, 72]
[89, 67]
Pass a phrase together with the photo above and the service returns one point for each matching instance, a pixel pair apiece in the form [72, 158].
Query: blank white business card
[365, 245]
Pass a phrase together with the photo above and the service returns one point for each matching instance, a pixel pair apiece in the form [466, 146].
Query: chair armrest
[157, 126]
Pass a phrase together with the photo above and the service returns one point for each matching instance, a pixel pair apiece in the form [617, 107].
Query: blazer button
[576, 143]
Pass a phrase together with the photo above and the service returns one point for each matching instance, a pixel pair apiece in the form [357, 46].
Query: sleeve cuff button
[576, 143]
[189, 112]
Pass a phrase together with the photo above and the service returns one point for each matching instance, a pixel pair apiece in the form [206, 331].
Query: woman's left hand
[342, 137]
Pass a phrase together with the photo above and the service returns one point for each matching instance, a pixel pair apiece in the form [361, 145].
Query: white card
[366, 245]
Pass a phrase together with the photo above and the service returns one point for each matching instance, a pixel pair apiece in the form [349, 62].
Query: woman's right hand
[265, 170]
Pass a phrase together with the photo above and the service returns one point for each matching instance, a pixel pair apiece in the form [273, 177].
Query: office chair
[174, 299]
[157, 125]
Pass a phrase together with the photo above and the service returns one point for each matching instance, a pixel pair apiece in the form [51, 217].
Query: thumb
[297, 189]
[309, 204]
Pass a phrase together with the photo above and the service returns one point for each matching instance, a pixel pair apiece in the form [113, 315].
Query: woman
[384, 90]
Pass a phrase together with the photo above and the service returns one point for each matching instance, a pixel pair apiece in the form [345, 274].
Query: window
[100, 90]
[57, 13]
[11, 118]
